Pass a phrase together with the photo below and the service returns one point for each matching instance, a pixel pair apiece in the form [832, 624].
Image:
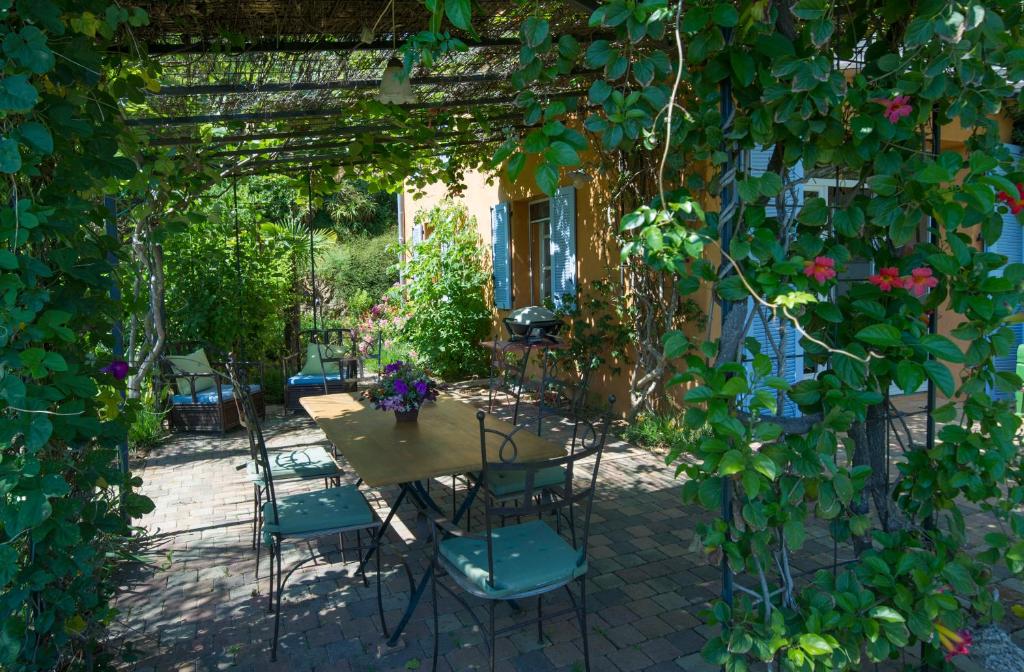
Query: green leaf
[459, 13]
[942, 348]
[743, 67]
[766, 466]
[8, 565]
[17, 94]
[731, 463]
[28, 49]
[887, 614]
[562, 154]
[725, 15]
[940, 375]
[534, 31]
[815, 645]
[880, 334]
[10, 156]
[547, 178]
[516, 165]
[36, 136]
[909, 375]
[599, 91]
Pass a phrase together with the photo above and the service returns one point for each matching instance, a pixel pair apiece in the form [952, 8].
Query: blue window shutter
[1010, 244]
[793, 354]
[563, 244]
[501, 256]
[793, 198]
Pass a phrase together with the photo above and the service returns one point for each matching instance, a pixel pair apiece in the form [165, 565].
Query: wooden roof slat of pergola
[285, 87]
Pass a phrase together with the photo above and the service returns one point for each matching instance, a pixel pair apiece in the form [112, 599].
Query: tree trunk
[870, 450]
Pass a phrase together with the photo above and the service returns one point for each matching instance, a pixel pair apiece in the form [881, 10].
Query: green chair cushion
[314, 351]
[308, 513]
[1020, 372]
[527, 557]
[506, 484]
[312, 462]
[195, 362]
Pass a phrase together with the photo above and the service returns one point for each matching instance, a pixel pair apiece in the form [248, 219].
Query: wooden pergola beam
[154, 122]
[334, 131]
[256, 151]
[293, 46]
[334, 85]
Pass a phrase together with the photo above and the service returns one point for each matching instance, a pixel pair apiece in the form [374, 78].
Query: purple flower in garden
[392, 367]
[421, 387]
[401, 387]
[377, 310]
[117, 368]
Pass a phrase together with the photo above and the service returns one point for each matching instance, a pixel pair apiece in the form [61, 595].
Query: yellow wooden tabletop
[444, 441]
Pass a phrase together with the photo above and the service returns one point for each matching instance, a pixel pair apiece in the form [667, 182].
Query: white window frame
[540, 230]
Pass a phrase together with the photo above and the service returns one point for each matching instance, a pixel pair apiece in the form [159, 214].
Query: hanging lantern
[395, 86]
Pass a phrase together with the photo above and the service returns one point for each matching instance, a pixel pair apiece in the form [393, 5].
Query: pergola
[291, 85]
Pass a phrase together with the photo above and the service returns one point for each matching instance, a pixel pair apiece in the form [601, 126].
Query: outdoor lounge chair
[202, 399]
[302, 518]
[331, 365]
[528, 559]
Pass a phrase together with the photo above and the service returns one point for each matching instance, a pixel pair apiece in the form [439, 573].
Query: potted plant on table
[402, 388]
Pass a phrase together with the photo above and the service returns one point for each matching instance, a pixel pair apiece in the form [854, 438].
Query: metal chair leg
[540, 619]
[583, 623]
[270, 590]
[277, 611]
[359, 547]
[433, 599]
[380, 596]
[493, 637]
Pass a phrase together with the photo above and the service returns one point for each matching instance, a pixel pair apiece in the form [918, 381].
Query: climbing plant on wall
[65, 505]
[854, 91]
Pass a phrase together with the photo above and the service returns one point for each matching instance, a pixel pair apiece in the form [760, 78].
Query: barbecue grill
[532, 323]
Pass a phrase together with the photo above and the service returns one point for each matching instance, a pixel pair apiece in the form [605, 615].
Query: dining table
[443, 441]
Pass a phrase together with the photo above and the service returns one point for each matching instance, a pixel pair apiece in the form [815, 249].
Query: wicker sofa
[331, 365]
[202, 398]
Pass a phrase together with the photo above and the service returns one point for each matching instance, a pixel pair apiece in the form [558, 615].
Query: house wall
[597, 251]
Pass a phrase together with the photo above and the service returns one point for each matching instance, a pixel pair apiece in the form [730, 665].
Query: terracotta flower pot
[407, 416]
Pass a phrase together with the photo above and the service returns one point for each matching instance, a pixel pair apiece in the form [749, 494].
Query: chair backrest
[573, 496]
[251, 421]
[335, 336]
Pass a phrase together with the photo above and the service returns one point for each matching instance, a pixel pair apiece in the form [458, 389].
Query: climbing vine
[65, 505]
[855, 92]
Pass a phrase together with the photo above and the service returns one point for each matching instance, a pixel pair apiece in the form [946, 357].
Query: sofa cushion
[195, 362]
[314, 351]
[210, 396]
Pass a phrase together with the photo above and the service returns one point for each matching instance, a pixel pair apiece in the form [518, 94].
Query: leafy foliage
[446, 315]
[65, 506]
[851, 93]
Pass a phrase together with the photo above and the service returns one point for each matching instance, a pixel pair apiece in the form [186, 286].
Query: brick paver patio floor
[198, 606]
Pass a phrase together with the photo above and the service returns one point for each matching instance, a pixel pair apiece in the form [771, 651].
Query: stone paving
[197, 605]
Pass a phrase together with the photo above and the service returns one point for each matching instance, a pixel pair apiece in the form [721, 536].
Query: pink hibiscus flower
[821, 269]
[920, 281]
[887, 279]
[895, 108]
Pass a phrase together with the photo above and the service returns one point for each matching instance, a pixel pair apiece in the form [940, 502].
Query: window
[540, 251]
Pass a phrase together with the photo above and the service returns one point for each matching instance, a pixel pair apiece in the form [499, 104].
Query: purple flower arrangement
[402, 387]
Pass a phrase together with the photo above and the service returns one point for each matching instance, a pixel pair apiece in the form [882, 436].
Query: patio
[197, 605]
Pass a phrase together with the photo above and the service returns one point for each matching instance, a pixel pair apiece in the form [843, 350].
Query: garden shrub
[65, 505]
[446, 314]
[362, 269]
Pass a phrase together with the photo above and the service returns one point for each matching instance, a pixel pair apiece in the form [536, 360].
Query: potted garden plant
[402, 388]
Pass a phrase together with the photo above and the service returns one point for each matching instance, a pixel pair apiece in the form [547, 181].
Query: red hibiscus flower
[1014, 204]
[895, 108]
[821, 269]
[920, 281]
[888, 279]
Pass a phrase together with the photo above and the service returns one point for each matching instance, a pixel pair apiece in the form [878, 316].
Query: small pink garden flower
[888, 279]
[895, 108]
[821, 269]
[920, 281]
